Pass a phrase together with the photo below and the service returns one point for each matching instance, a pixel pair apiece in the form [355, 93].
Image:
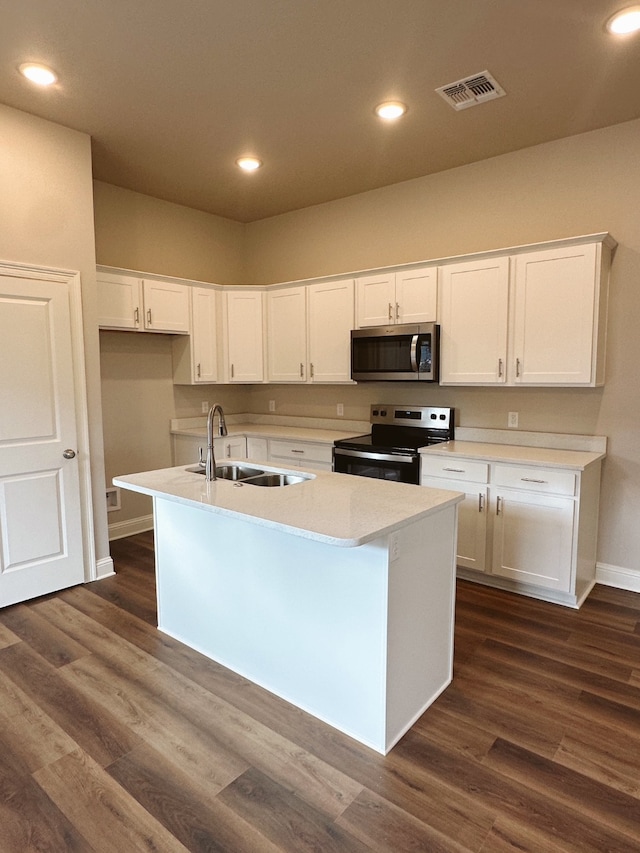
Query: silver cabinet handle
[499, 367]
[149, 316]
[198, 371]
[517, 367]
[228, 453]
[311, 369]
[232, 371]
[390, 313]
[301, 370]
[456, 470]
[480, 502]
[293, 450]
[397, 311]
[136, 316]
[69, 453]
[531, 480]
[498, 505]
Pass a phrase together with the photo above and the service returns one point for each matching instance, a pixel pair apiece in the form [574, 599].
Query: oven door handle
[414, 353]
[379, 457]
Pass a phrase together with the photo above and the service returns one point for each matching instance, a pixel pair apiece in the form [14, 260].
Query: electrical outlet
[204, 407]
[340, 409]
[512, 420]
[272, 405]
[113, 498]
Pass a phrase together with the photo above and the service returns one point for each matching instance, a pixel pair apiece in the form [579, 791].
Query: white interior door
[41, 538]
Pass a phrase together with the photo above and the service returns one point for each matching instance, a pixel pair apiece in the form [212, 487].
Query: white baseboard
[120, 529]
[618, 576]
[104, 568]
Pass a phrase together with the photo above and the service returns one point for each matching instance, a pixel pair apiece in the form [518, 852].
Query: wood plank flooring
[114, 737]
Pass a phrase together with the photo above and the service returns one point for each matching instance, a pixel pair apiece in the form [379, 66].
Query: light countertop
[514, 453]
[337, 509]
[288, 433]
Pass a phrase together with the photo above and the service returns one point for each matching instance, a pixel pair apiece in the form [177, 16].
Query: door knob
[68, 453]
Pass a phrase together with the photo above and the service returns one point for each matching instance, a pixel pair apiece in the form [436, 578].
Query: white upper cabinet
[556, 295]
[195, 356]
[528, 318]
[119, 301]
[149, 305]
[330, 309]
[287, 334]
[474, 303]
[166, 306]
[406, 296]
[308, 332]
[244, 335]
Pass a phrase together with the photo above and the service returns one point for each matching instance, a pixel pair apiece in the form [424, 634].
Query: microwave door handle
[414, 353]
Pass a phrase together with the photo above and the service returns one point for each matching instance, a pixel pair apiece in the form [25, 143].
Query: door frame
[71, 279]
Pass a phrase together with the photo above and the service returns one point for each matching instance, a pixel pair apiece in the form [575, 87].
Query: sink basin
[271, 479]
[229, 472]
[252, 476]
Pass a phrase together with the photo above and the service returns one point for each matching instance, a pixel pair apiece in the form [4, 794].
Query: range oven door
[402, 468]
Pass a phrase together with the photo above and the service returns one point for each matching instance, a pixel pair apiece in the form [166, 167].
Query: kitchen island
[336, 593]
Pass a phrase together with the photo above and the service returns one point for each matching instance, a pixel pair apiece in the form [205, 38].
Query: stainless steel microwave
[407, 352]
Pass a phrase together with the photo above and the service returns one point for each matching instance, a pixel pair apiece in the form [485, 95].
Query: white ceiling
[172, 91]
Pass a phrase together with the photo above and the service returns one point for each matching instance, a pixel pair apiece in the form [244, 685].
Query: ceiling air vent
[471, 91]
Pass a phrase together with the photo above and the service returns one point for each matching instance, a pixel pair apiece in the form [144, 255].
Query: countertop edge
[132, 482]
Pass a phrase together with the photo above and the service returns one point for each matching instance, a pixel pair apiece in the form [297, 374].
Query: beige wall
[46, 219]
[580, 185]
[138, 232]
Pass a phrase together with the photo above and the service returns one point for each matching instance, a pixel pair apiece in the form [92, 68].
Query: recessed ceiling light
[249, 164]
[39, 74]
[625, 21]
[391, 110]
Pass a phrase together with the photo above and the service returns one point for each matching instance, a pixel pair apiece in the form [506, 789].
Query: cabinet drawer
[299, 451]
[454, 468]
[533, 479]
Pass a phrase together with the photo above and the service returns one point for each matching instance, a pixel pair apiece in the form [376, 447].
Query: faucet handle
[201, 461]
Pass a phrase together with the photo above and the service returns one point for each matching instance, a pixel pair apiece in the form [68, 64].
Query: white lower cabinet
[526, 528]
[307, 454]
[533, 538]
[186, 448]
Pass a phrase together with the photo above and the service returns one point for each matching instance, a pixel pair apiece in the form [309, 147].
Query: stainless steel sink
[252, 476]
[229, 472]
[269, 478]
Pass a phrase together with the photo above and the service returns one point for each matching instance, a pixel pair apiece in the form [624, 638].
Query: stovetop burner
[404, 430]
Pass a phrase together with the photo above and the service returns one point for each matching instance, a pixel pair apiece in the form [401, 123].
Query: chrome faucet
[210, 465]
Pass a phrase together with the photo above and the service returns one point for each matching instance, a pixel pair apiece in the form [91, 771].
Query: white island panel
[357, 640]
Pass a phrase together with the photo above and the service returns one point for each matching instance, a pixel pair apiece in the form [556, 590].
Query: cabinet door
[119, 305]
[471, 550]
[166, 307]
[473, 322]
[195, 356]
[287, 335]
[554, 331]
[186, 449]
[230, 447]
[416, 295]
[533, 538]
[257, 448]
[244, 336]
[204, 335]
[330, 320]
[375, 300]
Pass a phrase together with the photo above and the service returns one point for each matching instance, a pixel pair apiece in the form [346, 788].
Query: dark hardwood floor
[114, 737]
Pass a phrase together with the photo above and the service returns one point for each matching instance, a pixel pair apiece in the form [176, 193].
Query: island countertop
[338, 509]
